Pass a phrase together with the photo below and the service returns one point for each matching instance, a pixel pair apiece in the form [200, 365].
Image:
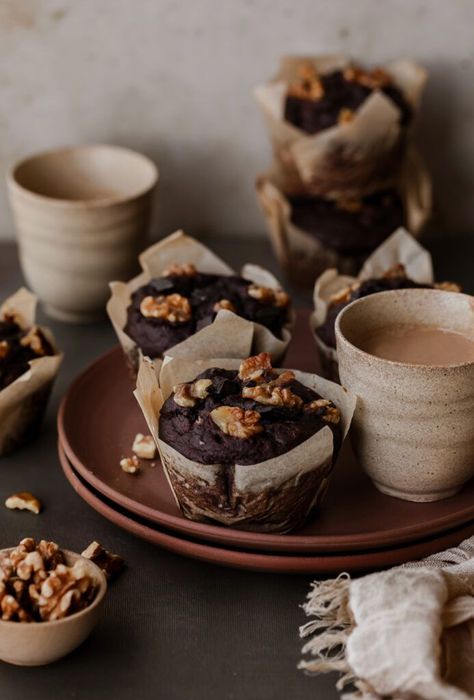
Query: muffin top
[18, 347]
[171, 308]
[244, 416]
[319, 101]
[349, 226]
[394, 278]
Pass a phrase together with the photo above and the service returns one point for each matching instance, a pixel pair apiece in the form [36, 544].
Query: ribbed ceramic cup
[81, 215]
[413, 427]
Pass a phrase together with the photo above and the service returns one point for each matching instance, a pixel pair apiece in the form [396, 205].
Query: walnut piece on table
[24, 501]
[111, 564]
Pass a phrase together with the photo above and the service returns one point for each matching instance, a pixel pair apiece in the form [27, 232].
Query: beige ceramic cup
[81, 215]
[413, 427]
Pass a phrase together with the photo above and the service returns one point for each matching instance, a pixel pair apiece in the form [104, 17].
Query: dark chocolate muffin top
[17, 348]
[171, 308]
[316, 102]
[394, 278]
[349, 226]
[246, 416]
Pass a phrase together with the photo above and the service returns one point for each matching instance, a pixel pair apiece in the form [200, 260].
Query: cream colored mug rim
[102, 590]
[410, 366]
[83, 203]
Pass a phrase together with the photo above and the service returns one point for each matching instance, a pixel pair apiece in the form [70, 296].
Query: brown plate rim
[262, 561]
[242, 538]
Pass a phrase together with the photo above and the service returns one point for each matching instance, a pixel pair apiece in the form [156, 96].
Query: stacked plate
[357, 529]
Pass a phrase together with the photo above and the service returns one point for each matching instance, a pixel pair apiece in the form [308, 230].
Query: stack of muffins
[345, 173]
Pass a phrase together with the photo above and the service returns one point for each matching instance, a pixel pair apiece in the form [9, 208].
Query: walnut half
[326, 409]
[253, 368]
[24, 501]
[173, 308]
[271, 395]
[237, 422]
[269, 295]
[180, 270]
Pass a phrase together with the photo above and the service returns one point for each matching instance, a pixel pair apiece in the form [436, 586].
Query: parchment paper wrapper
[352, 159]
[180, 248]
[23, 402]
[303, 256]
[277, 495]
[400, 247]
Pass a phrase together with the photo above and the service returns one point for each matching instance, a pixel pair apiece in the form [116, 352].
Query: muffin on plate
[173, 307]
[399, 263]
[182, 290]
[336, 129]
[29, 362]
[244, 444]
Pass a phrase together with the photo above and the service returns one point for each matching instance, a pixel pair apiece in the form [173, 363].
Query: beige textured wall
[173, 78]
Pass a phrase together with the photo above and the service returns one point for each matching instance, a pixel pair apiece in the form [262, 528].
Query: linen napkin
[406, 633]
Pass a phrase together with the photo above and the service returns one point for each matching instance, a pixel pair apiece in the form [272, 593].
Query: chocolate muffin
[394, 278]
[319, 101]
[349, 226]
[171, 308]
[17, 348]
[244, 416]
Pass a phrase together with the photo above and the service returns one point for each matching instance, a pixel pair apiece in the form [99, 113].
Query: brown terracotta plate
[259, 561]
[99, 418]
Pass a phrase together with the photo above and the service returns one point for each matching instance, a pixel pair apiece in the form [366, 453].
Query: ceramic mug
[81, 215]
[413, 427]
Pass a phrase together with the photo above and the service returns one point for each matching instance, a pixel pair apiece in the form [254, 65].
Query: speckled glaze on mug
[413, 427]
[81, 215]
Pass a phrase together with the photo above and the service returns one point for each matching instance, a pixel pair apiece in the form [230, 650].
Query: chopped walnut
[284, 378]
[111, 564]
[144, 446]
[51, 553]
[395, 271]
[35, 340]
[180, 270]
[4, 349]
[66, 590]
[351, 205]
[253, 368]
[130, 465]
[237, 422]
[373, 79]
[326, 410]
[448, 286]
[271, 395]
[173, 308]
[29, 588]
[307, 85]
[224, 304]
[186, 395]
[345, 116]
[11, 608]
[24, 501]
[268, 295]
[343, 294]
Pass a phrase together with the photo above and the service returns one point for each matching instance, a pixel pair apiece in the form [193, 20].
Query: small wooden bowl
[41, 643]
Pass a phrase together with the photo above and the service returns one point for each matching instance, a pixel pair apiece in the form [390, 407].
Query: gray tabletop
[172, 627]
